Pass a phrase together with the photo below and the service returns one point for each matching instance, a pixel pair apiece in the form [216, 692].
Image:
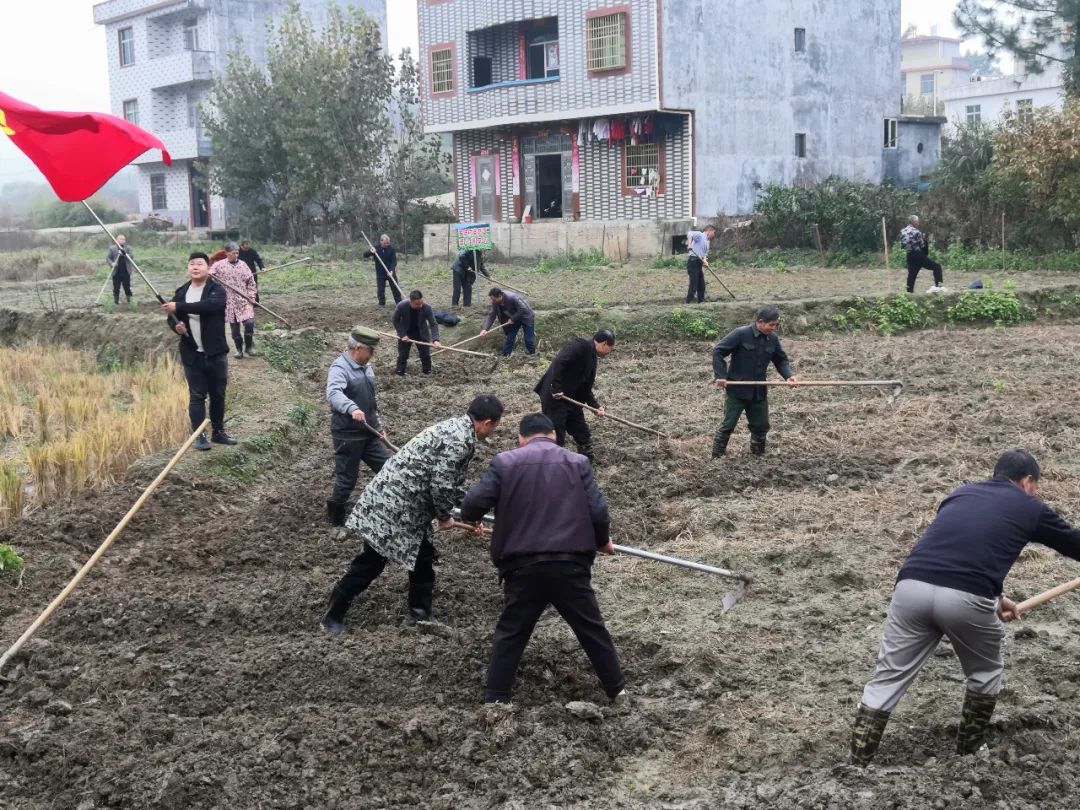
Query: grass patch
[10, 561]
[693, 324]
[290, 352]
[260, 454]
[999, 307]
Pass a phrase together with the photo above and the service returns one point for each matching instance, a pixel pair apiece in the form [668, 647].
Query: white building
[986, 101]
[163, 55]
[929, 66]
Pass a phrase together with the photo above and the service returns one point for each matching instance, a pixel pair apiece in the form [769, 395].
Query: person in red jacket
[544, 555]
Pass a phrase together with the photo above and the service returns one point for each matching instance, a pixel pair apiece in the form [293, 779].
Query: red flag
[77, 152]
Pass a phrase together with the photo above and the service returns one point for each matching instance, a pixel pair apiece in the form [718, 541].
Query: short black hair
[707, 227]
[604, 336]
[415, 295]
[1016, 465]
[198, 254]
[768, 314]
[535, 424]
[495, 292]
[484, 407]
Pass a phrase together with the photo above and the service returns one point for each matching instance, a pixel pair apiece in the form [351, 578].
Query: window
[191, 35]
[606, 41]
[158, 199]
[800, 144]
[131, 111]
[126, 37]
[890, 133]
[800, 40]
[442, 71]
[973, 113]
[641, 166]
[192, 111]
[926, 84]
[1025, 110]
[542, 52]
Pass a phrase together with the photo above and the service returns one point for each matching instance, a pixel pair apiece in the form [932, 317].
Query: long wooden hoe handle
[379, 436]
[447, 348]
[466, 340]
[250, 300]
[502, 284]
[1046, 596]
[801, 383]
[618, 419]
[59, 600]
[386, 269]
[283, 266]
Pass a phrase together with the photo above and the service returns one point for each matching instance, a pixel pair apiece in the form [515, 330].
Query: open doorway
[549, 186]
[200, 201]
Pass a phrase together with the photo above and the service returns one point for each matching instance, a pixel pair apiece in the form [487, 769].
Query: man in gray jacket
[514, 314]
[414, 320]
[550, 522]
[355, 428]
[117, 259]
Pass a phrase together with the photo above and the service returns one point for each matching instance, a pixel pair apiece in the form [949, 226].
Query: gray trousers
[919, 615]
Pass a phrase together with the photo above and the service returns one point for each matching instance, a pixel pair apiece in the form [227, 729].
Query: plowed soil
[188, 670]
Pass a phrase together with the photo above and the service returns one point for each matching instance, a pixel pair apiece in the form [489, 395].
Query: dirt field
[188, 670]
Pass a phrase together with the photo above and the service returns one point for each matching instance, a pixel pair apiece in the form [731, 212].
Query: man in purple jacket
[544, 555]
[951, 584]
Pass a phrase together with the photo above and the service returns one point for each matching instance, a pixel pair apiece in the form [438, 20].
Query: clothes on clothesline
[635, 129]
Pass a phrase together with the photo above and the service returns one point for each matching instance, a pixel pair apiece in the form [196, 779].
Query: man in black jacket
[250, 257]
[197, 315]
[415, 320]
[572, 373]
[117, 259]
[464, 269]
[355, 427]
[385, 258]
[951, 584]
[544, 556]
[514, 314]
[751, 348]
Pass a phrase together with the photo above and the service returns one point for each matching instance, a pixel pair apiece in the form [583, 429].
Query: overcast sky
[54, 56]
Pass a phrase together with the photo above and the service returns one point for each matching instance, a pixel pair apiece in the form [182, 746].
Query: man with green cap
[355, 429]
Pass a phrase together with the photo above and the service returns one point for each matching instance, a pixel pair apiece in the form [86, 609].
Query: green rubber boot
[866, 733]
[974, 721]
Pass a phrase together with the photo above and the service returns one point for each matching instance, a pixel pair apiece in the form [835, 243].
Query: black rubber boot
[335, 513]
[333, 621]
[719, 444]
[249, 344]
[974, 721]
[420, 597]
[757, 444]
[866, 733]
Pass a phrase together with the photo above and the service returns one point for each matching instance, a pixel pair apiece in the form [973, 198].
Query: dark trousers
[529, 329]
[916, 261]
[249, 334]
[380, 286]
[757, 418]
[207, 376]
[463, 286]
[121, 278]
[347, 458]
[570, 419]
[366, 568]
[527, 592]
[404, 347]
[695, 268]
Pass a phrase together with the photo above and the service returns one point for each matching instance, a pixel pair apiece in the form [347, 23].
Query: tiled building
[653, 109]
[163, 55]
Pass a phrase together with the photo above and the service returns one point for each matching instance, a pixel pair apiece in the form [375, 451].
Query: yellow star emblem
[3, 124]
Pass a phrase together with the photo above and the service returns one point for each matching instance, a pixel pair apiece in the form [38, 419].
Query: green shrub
[665, 262]
[888, 315]
[10, 561]
[693, 324]
[988, 305]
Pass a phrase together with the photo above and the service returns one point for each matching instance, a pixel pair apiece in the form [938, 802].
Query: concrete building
[987, 100]
[652, 112]
[929, 65]
[163, 55]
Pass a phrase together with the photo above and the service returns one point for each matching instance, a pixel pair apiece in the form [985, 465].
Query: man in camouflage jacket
[422, 482]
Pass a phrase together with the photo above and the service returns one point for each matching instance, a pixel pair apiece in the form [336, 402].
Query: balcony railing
[182, 144]
[183, 67]
[116, 10]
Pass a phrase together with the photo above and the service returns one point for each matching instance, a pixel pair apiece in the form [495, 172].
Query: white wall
[995, 96]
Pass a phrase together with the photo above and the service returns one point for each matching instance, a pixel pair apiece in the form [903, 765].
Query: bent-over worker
[515, 314]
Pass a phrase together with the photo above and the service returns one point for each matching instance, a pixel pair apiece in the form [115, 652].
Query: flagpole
[105, 228]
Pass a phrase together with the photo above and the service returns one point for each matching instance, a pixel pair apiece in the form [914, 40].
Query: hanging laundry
[582, 129]
[601, 129]
[647, 126]
[618, 129]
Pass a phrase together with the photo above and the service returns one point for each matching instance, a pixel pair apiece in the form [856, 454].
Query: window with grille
[890, 133]
[800, 40]
[606, 42]
[191, 35]
[126, 38]
[641, 165]
[442, 71]
[800, 144]
[973, 113]
[158, 199]
[926, 84]
[131, 111]
[1025, 109]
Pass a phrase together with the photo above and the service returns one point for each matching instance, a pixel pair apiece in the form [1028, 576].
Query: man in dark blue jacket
[951, 584]
[197, 315]
[544, 554]
[414, 320]
[751, 349]
[572, 373]
[385, 258]
[513, 313]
